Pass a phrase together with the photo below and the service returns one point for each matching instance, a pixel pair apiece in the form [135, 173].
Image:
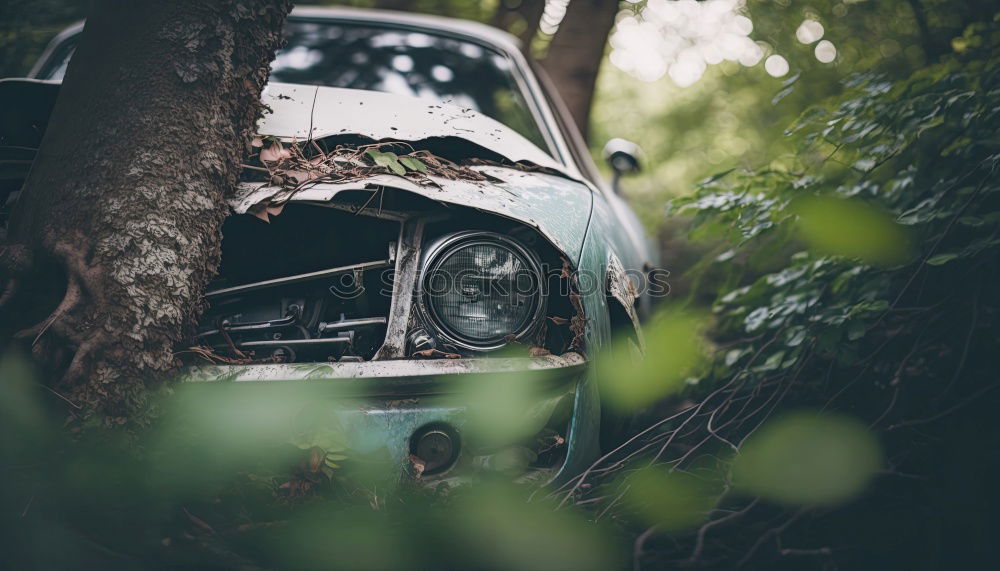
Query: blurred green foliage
[856, 272]
[735, 116]
[672, 501]
[637, 373]
[232, 475]
[808, 459]
[26, 26]
[850, 228]
[920, 151]
[490, 527]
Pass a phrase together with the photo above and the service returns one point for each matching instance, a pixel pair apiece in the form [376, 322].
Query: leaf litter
[294, 167]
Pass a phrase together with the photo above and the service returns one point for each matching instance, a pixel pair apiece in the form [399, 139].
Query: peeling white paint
[570, 363]
[336, 111]
[558, 207]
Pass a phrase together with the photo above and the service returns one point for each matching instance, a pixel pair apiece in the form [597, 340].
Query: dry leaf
[429, 353]
[297, 487]
[276, 152]
[260, 211]
[298, 177]
[316, 457]
[417, 466]
[198, 521]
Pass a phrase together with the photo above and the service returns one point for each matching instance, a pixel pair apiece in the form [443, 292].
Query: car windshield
[392, 60]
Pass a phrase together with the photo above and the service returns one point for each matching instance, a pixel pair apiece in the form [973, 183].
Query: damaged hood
[330, 111]
[559, 208]
[553, 202]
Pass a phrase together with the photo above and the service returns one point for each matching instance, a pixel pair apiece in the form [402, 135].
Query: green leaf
[773, 362]
[971, 221]
[879, 305]
[313, 425]
[675, 350]
[828, 338]
[413, 164]
[397, 168]
[807, 458]
[941, 259]
[672, 501]
[715, 177]
[387, 160]
[795, 336]
[856, 330]
[734, 355]
[851, 228]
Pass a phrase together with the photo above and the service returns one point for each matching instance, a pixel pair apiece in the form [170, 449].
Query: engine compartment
[313, 284]
[316, 283]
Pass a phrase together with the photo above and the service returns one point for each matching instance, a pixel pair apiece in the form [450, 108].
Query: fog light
[436, 446]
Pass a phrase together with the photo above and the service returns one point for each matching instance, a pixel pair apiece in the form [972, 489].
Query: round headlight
[481, 289]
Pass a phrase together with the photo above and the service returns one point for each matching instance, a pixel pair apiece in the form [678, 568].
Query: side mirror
[623, 157]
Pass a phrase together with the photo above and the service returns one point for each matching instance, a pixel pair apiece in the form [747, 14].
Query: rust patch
[577, 323]
[622, 290]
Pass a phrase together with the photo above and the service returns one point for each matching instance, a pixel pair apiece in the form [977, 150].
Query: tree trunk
[125, 199]
[398, 5]
[528, 12]
[575, 54]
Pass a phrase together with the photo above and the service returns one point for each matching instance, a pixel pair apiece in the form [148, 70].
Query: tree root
[70, 301]
[79, 367]
[67, 325]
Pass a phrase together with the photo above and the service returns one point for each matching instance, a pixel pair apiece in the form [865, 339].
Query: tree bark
[575, 54]
[529, 11]
[125, 199]
[926, 38]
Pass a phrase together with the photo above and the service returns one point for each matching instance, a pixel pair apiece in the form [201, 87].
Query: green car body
[391, 380]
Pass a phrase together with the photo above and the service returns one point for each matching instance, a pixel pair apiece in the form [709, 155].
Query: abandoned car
[430, 219]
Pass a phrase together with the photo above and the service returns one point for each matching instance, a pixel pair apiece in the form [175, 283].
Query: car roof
[467, 29]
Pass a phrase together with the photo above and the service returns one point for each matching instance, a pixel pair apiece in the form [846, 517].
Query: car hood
[559, 208]
[553, 202]
[301, 112]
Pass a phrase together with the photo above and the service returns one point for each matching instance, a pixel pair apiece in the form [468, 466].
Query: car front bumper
[382, 406]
